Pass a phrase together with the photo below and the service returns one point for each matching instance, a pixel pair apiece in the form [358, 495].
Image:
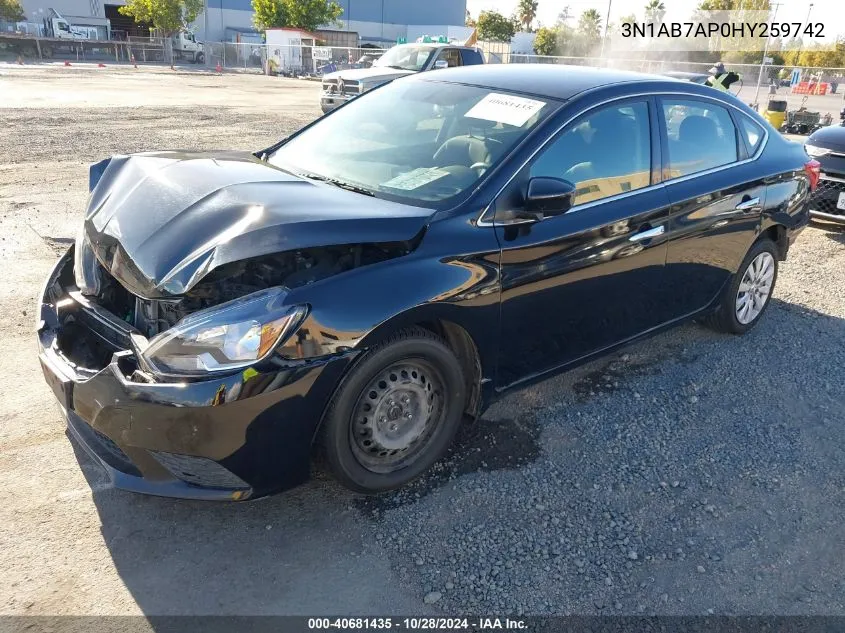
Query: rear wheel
[395, 414]
[750, 290]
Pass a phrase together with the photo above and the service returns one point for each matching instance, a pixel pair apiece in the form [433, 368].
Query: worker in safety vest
[720, 78]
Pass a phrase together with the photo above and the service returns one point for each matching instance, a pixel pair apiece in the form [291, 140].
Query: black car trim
[483, 221]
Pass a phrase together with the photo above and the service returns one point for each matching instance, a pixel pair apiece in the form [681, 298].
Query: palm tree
[589, 24]
[654, 11]
[526, 12]
[564, 15]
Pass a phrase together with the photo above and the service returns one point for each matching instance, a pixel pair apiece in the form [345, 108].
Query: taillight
[814, 171]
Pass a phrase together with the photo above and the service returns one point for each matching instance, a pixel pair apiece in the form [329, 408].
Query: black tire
[382, 371]
[199, 58]
[726, 317]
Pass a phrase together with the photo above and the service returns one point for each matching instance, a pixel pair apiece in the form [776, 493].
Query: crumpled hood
[160, 222]
[369, 75]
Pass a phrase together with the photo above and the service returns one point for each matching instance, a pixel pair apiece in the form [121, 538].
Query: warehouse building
[379, 22]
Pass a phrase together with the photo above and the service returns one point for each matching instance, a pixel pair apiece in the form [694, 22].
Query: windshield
[405, 57]
[417, 142]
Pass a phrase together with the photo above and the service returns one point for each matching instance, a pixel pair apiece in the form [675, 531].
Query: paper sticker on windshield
[415, 178]
[505, 109]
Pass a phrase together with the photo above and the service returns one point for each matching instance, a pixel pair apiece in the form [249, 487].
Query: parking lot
[694, 473]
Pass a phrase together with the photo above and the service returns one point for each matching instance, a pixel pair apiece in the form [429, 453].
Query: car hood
[368, 75]
[160, 222]
[830, 137]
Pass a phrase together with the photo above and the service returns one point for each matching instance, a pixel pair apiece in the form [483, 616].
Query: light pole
[606, 23]
[765, 53]
[205, 47]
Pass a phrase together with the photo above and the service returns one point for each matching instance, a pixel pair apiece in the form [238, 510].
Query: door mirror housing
[548, 197]
[441, 63]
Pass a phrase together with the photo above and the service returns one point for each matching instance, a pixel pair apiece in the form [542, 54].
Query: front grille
[199, 471]
[826, 195]
[330, 86]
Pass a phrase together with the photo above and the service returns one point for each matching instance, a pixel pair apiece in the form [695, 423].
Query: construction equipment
[776, 112]
[803, 121]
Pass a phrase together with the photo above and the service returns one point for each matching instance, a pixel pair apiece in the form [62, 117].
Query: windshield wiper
[339, 183]
[398, 67]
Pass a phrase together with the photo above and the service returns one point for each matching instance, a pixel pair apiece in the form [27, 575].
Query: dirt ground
[725, 481]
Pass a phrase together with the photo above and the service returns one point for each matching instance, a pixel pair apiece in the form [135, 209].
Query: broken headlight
[229, 336]
[86, 268]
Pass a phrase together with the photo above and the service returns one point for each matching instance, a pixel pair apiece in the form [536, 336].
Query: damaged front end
[175, 332]
[141, 409]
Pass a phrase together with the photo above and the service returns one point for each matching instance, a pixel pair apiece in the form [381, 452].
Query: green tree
[298, 14]
[589, 25]
[269, 13]
[654, 11]
[527, 12]
[167, 16]
[494, 27]
[311, 14]
[11, 11]
[469, 21]
[545, 41]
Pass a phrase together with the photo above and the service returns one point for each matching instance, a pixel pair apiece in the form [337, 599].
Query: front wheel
[748, 295]
[395, 414]
[199, 58]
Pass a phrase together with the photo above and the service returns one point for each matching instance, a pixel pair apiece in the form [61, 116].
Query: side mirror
[441, 63]
[548, 197]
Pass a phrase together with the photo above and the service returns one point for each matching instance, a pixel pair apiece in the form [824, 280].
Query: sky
[825, 11]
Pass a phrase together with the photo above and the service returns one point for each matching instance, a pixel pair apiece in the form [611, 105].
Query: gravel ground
[694, 473]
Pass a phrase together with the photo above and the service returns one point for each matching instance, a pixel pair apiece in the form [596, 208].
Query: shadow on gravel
[756, 454]
[612, 376]
[481, 446]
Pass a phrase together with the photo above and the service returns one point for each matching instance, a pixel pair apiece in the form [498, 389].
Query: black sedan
[357, 290]
[827, 146]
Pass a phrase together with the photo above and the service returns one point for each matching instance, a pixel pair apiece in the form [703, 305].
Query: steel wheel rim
[397, 416]
[755, 288]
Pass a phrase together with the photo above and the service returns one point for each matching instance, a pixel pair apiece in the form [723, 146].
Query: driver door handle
[751, 204]
[648, 234]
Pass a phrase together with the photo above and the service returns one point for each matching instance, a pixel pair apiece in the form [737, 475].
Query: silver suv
[404, 59]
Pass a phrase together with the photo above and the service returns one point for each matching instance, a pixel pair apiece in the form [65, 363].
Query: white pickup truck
[404, 59]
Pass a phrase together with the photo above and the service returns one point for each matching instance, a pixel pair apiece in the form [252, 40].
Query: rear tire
[395, 414]
[748, 295]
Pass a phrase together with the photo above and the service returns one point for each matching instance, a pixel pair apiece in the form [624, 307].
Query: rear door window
[701, 136]
[752, 132]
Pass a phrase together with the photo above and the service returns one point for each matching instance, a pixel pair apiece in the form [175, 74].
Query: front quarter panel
[453, 275]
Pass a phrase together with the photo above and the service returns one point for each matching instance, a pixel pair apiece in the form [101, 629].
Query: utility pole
[606, 23]
[205, 45]
[765, 53]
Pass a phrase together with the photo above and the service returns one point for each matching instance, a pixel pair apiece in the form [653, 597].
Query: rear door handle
[752, 204]
[648, 234]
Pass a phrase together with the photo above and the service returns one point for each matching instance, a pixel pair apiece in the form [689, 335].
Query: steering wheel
[480, 167]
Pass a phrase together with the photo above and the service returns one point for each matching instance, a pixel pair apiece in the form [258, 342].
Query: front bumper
[329, 102]
[823, 201]
[234, 437]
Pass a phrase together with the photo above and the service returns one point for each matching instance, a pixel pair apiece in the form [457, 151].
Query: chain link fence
[815, 89]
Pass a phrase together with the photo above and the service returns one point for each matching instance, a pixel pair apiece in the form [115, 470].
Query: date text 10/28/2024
[417, 624]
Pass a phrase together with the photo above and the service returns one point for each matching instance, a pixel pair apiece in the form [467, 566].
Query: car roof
[435, 45]
[555, 81]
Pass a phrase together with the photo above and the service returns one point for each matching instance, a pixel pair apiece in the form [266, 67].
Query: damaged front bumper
[234, 437]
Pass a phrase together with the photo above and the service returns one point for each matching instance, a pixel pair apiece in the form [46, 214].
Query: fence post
[38, 46]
